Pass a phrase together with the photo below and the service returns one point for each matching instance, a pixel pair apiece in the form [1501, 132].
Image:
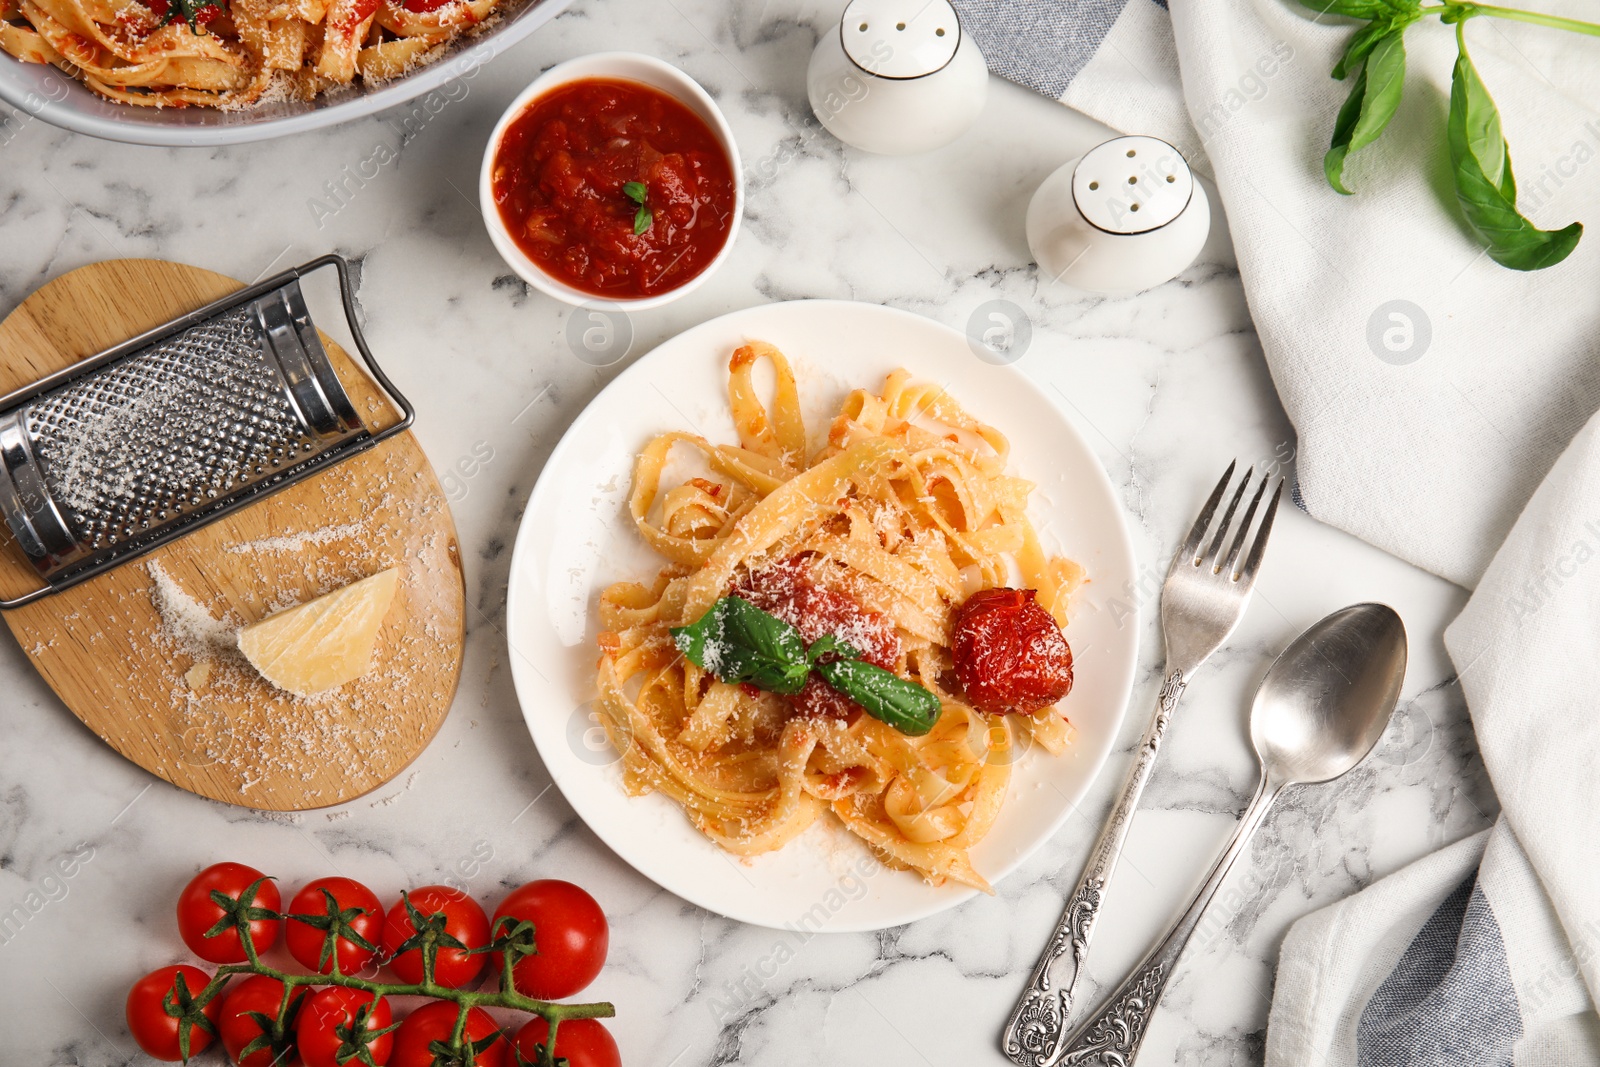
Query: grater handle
[370, 362]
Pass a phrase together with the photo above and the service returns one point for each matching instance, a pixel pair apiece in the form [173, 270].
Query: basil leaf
[1362, 43]
[1474, 127]
[1485, 186]
[189, 11]
[642, 220]
[749, 627]
[738, 642]
[904, 705]
[829, 645]
[1372, 103]
[1343, 127]
[635, 191]
[765, 650]
[701, 640]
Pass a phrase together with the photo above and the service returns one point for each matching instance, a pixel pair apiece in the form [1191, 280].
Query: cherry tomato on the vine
[581, 1042]
[464, 921]
[570, 933]
[260, 994]
[436, 1021]
[306, 941]
[157, 1031]
[335, 1022]
[198, 914]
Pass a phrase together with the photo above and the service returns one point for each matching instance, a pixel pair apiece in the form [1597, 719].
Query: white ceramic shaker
[1126, 216]
[897, 76]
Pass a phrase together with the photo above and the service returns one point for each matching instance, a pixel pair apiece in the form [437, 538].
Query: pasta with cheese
[906, 511]
[230, 53]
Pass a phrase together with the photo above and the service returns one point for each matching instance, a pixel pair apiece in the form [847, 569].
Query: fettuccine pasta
[906, 511]
[230, 53]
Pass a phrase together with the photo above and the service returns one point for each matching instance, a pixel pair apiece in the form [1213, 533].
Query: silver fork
[1202, 600]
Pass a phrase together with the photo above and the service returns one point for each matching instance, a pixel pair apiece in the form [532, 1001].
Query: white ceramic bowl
[621, 66]
[46, 93]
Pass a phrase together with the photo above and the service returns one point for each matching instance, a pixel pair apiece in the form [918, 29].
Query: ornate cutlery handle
[1036, 1034]
[1111, 1036]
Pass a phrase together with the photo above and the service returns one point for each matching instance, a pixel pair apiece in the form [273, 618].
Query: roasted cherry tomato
[358, 911]
[569, 931]
[1009, 653]
[258, 994]
[464, 920]
[436, 1021]
[198, 914]
[158, 1032]
[581, 1042]
[334, 1023]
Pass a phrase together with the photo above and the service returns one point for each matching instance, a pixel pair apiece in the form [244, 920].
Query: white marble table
[1167, 386]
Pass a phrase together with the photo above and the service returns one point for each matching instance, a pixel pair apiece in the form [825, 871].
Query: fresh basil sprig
[1480, 161]
[740, 643]
[639, 194]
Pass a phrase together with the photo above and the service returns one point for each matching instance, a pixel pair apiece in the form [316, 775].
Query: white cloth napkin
[1430, 459]
[1488, 951]
[1434, 458]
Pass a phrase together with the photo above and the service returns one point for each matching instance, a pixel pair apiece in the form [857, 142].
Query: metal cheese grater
[129, 449]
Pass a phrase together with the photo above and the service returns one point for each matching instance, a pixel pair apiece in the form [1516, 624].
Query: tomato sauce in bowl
[614, 188]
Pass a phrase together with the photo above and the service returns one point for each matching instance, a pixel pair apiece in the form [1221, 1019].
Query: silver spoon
[1322, 706]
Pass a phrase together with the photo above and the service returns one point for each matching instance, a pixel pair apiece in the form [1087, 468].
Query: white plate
[577, 538]
[43, 91]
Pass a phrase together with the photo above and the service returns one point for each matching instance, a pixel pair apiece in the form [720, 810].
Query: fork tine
[1214, 553]
[1226, 568]
[1191, 544]
[1252, 562]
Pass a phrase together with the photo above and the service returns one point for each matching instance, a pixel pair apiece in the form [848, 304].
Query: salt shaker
[897, 76]
[1126, 216]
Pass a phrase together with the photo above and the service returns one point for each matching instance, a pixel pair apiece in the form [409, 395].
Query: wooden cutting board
[119, 648]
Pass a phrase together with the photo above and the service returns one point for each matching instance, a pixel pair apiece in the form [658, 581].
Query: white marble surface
[1167, 386]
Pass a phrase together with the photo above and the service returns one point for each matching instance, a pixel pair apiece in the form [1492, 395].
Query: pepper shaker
[1126, 216]
[897, 76]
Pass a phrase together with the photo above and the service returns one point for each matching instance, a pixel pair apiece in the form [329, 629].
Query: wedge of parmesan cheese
[323, 643]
